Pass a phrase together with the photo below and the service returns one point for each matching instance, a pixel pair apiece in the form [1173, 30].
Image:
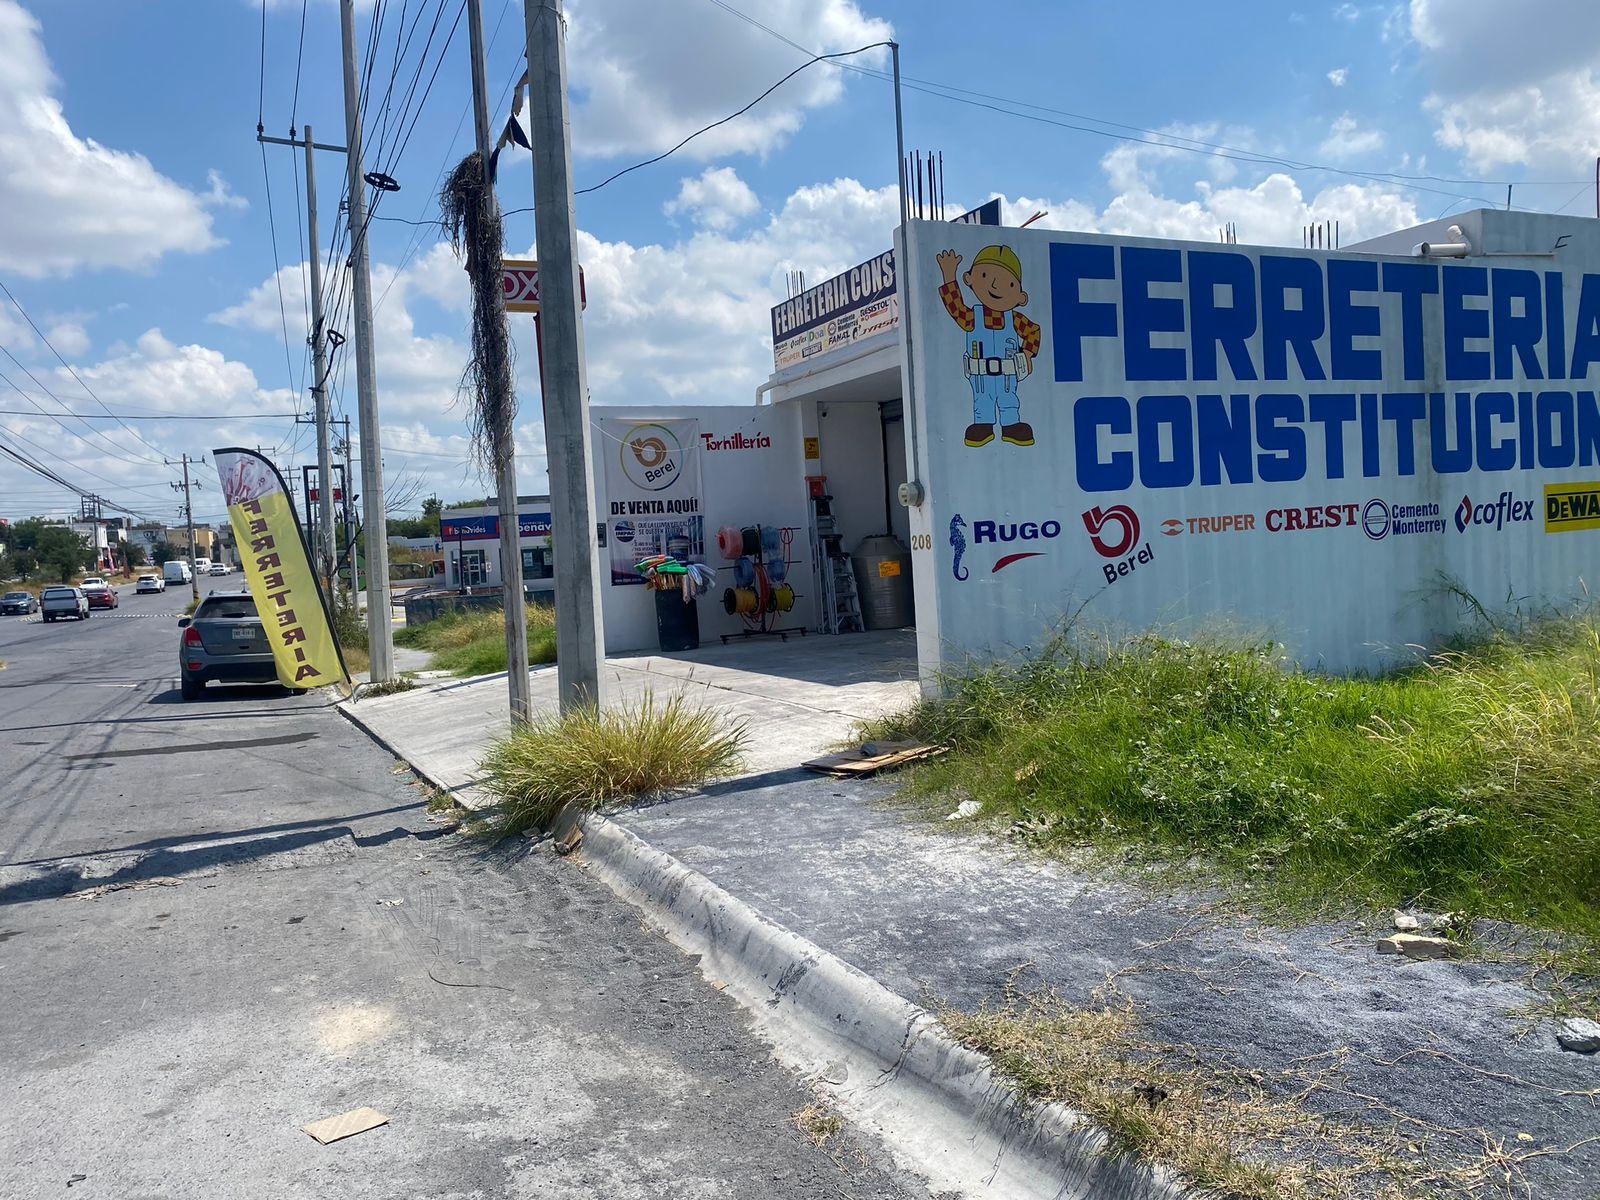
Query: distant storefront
[470, 541]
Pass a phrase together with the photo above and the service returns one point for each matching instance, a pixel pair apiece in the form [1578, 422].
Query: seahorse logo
[958, 542]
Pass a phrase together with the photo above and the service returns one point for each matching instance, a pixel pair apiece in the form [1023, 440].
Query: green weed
[1470, 782]
[474, 643]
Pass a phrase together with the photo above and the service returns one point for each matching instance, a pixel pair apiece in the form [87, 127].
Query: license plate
[244, 635]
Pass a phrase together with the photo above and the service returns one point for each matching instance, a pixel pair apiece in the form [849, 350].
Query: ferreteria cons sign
[1314, 446]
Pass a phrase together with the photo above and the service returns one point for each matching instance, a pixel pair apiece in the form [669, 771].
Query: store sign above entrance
[520, 283]
[857, 304]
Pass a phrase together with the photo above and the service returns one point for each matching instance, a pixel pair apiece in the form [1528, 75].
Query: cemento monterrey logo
[1504, 510]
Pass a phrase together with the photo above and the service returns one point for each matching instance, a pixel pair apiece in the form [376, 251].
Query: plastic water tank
[883, 578]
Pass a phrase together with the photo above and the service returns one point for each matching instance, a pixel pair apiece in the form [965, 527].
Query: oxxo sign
[1307, 445]
[519, 282]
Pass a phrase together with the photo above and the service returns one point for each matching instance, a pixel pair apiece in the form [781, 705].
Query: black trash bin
[677, 622]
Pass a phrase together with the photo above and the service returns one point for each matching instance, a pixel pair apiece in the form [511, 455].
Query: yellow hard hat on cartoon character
[1000, 256]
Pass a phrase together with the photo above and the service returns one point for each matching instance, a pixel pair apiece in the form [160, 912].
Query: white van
[176, 571]
[202, 566]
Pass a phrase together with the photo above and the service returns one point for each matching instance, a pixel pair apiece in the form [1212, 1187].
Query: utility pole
[566, 392]
[319, 377]
[496, 374]
[345, 509]
[380, 637]
[188, 518]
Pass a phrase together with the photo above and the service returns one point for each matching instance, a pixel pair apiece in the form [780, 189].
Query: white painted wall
[852, 459]
[756, 485]
[1336, 596]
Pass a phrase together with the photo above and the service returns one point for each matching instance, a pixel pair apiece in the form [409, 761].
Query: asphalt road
[221, 920]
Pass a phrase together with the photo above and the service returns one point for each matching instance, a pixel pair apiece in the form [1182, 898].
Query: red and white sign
[520, 282]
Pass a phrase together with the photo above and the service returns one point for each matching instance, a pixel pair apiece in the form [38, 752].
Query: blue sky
[134, 217]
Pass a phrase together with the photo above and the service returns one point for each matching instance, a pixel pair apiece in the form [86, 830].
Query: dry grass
[474, 643]
[818, 1122]
[591, 757]
[1240, 1133]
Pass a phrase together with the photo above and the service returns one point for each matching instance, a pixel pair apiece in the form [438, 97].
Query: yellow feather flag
[277, 567]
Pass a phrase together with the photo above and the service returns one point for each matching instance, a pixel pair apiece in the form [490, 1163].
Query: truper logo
[1502, 511]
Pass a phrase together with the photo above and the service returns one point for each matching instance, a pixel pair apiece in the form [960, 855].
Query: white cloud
[640, 79]
[1346, 140]
[716, 199]
[219, 194]
[1513, 90]
[69, 337]
[1339, 76]
[68, 202]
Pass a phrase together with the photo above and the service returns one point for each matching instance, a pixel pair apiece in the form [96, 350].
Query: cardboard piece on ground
[872, 757]
[357, 1120]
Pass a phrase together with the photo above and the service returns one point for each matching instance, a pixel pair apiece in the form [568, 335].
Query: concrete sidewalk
[796, 698]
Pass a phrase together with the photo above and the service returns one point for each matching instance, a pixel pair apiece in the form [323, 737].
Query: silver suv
[223, 640]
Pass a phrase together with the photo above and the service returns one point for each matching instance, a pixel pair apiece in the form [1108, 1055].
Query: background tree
[163, 552]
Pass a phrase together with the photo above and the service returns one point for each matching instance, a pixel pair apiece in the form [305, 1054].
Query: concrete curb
[884, 1062]
[466, 795]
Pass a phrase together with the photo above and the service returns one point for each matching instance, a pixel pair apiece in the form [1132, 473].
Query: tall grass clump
[591, 757]
[474, 643]
[1469, 782]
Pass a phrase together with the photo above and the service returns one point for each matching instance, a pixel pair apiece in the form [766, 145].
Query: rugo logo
[1571, 506]
[1504, 510]
[1018, 531]
[1114, 531]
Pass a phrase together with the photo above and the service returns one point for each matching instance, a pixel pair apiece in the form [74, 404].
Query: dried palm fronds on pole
[472, 217]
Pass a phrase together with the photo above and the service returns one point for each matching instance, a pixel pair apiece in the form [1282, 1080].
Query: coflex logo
[1504, 510]
[1114, 532]
[1571, 506]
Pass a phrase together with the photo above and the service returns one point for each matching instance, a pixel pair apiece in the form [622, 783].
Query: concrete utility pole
[348, 513]
[498, 375]
[188, 519]
[319, 381]
[380, 637]
[566, 391]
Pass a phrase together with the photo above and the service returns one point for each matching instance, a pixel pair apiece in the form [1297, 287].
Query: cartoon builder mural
[1002, 342]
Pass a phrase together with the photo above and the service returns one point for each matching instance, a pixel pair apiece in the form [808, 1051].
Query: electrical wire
[299, 58]
[115, 451]
[277, 271]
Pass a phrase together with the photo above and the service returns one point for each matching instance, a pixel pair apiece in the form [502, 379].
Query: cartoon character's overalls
[992, 361]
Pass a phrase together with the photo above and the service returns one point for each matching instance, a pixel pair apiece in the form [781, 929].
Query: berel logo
[1126, 532]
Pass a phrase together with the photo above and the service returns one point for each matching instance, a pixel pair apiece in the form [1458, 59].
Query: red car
[101, 596]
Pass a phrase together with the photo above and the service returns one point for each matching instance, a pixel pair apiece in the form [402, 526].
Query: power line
[129, 416]
[115, 450]
[71, 370]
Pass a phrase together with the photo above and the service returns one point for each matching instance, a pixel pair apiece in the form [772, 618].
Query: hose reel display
[759, 555]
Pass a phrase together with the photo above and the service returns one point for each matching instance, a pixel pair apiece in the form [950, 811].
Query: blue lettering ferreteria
[1555, 326]
[1090, 415]
[1588, 430]
[1333, 412]
[1144, 314]
[1462, 323]
[1586, 337]
[1348, 320]
[1282, 326]
[1075, 318]
[1517, 334]
[1279, 417]
[1173, 414]
[1557, 424]
[1450, 459]
[1404, 410]
[1225, 442]
[1411, 282]
[1229, 325]
[1496, 451]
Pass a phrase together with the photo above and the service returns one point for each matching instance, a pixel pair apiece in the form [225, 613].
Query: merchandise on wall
[1323, 448]
[653, 501]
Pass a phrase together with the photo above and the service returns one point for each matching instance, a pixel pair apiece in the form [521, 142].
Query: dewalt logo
[1571, 506]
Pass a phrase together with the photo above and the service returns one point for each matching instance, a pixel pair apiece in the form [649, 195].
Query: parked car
[58, 603]
[220, 569]
[20, 603]
[149, 583]
[176, 571]
[226, 641]
[99, 595]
